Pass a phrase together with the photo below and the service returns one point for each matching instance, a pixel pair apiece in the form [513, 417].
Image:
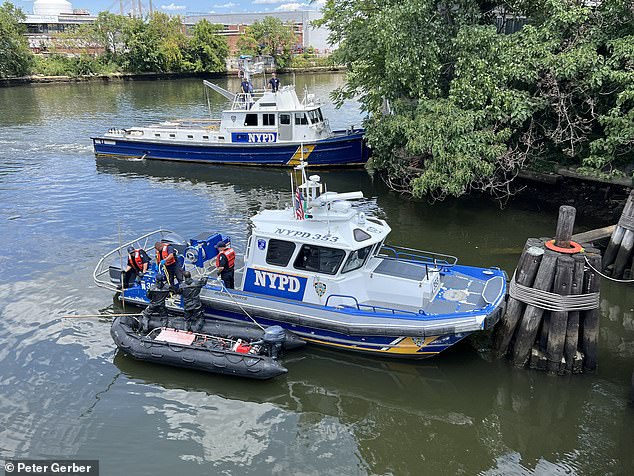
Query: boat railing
[423, 258]
[244, 101]
[103, 266]
[367, 307]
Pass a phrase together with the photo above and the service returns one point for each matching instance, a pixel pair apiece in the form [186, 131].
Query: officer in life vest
[225, 261]
[193, 307]
[167, 263]
[157, 295]
[138, 261]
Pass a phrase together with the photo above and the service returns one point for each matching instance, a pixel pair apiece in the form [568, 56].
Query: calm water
[66, 392]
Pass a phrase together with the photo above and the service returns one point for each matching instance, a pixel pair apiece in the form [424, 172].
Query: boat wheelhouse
[261, 127]
[322, 269]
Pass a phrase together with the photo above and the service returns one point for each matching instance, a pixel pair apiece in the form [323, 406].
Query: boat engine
[273, 339]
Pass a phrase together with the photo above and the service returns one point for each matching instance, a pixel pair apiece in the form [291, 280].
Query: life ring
[575, 247]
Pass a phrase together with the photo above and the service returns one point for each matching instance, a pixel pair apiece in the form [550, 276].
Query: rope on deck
[551, 301]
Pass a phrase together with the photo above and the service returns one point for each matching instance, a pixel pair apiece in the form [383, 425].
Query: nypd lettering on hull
[254, 137]
[275, 284]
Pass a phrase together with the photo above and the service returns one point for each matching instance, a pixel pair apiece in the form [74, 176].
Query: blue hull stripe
[344, 150]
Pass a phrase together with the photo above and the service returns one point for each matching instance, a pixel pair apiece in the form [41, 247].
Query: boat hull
[341, 150]
[413, 338]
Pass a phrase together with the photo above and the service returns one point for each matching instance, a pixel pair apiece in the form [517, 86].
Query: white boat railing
[103, 266]
[245, 101]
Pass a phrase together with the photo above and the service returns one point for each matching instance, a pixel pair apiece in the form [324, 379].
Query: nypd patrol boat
[261, 127]
[323, 270]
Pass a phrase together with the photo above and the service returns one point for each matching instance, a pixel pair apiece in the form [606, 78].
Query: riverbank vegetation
[118, 44]
[457, 105]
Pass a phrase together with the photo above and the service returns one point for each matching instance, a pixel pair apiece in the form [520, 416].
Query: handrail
[375, 309]
[99, 270]
[346, 296]
[418, 256]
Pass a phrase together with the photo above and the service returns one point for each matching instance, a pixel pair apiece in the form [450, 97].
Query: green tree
[16, 58]
[271, 36]
[470, 106]
[206, 50]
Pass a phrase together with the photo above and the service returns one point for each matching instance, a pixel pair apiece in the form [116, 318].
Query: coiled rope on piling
[551, 301]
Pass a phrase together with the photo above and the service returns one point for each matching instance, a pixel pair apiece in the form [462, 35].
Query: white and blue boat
[322, 269]
[260, 128]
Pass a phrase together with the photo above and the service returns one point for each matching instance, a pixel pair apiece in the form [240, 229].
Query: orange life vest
[230, 255]
[137, 261]
[163, 254]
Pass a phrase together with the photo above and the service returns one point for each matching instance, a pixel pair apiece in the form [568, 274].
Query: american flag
[299, 207]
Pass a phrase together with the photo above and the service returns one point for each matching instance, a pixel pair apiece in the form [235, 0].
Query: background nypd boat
[260, 128]
[321, 269]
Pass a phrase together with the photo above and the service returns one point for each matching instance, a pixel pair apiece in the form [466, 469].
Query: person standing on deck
[138, 261]
[192, 306]
[225, 261]
[274, 83]
[247, 90]
[167, 263]
[157, 295]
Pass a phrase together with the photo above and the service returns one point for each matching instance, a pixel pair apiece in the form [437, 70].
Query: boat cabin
[334, 256]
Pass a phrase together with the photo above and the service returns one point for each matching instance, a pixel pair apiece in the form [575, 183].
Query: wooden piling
[615, 245]
[572, 328]
[590, 319]
[525, 275]
[559, 319]
[529, 325]
[624, 254]
[565, 224]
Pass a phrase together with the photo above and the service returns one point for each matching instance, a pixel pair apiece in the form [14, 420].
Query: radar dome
[51, 7]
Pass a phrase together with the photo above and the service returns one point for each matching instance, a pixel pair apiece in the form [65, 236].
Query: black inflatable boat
[228, 349]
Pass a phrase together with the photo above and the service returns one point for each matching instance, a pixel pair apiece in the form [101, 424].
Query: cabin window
[300, 119]
[268, 119]
[251, 120]
[319, 259]
[279, 252]
[172, 135]
[190, 136]
[205, 137]
[157, 135]
[361, 235]
[285, 119]
[320, 115]
[314, 117]
[356, 259]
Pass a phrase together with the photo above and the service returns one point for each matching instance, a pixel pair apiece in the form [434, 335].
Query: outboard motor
[273, 339]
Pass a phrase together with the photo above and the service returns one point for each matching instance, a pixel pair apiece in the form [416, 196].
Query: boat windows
[172, 135]
[189, 136]
[251, 120]
[320, 115]
[361, 235]
[314, 117]
[300, 119]
[285, 119]
[356, 259]
[205, 137]
[268, 119]
[319, 259]
[157, 135]
[279, 252]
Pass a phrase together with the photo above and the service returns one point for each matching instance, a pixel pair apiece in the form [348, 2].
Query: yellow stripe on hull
[401, 349]
[298, 155]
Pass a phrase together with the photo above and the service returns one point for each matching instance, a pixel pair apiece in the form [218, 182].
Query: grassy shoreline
[37, 79]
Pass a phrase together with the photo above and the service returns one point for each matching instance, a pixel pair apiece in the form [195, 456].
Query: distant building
[51, 17]
[234, 25]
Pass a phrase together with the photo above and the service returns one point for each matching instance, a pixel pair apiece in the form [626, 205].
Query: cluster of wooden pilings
[559, 341]
[618, 259]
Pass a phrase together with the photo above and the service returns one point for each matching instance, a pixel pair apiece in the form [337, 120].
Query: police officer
[247, 90]
[167, 263]
[157, 295]
[274, 83]
[138, 261]
[193, 307]
[225, 261]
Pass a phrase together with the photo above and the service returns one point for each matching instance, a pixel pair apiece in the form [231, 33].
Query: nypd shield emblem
[320, 289]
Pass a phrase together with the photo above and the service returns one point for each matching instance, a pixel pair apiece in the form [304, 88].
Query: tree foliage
[207, 50]
[471, 106]
[15, 56]
[271, 36]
